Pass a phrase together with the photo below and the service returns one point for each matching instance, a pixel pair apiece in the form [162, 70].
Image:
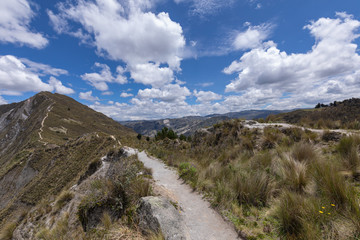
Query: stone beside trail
[201, 221]
[157, 213]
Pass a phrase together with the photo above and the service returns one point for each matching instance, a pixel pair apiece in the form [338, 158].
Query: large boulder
[157, 214]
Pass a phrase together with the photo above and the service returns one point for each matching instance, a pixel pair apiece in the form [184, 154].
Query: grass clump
[63, 198]
[59, 232]
[253, 188]
[189, 173]
[8, 230]
[303, 152]
[348, 150]
[114, 195]
[294, 215]
[295, 174]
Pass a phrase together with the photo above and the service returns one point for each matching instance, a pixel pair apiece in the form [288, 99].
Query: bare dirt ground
[202, 222]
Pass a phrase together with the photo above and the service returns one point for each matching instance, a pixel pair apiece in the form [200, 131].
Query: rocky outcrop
[157, 214]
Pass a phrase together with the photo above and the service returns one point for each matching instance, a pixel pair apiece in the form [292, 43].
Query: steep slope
[47, 142]
[189, 125]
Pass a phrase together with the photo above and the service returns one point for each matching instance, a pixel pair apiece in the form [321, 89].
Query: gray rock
[158, 214]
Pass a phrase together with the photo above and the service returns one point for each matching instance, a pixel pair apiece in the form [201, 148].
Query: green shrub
[189, 173]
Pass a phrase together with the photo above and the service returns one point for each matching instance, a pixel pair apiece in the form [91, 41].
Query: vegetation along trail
[202, 222]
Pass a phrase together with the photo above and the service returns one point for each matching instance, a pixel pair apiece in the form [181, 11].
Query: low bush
[189, 173]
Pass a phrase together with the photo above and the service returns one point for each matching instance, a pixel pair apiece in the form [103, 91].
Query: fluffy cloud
[125, 95]
[58, 87]
[88, 96]
[140, 109]
[207, 96]
[125, 31]
[152, 74]
[252, 37]
[320, 74]
[168, 93]
[15, 17]
[100, 80]
[16, 77]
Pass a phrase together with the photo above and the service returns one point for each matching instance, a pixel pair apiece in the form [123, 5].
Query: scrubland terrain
[273, 183]
[345, 115]
[65, 174]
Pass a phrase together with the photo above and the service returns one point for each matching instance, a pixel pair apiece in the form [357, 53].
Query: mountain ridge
[47, 142]
[188, 125]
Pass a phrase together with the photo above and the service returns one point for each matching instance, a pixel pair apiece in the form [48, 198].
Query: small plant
[7, 231]
[253, 188]
[63, 198]
[189, 173]
[106, 220]
[347, 149]
[295, 214]
[295, 174]
[304, 152]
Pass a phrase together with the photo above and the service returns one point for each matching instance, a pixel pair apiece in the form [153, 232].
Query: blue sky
[151, 59]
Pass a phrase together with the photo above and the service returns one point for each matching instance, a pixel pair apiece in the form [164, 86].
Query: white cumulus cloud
[59, 87]
[125, 95]
[319, 74]
[206, 96]
[125, 31]
[16, 77]
[15, 18]
[100, 80]
[252, 37]
[168, 93]
[88, 96]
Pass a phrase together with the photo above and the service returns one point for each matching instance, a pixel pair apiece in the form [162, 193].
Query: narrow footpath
[202, 222]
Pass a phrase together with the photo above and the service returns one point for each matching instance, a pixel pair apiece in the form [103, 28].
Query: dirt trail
[42, 125]
[254, 124]
[202, 222]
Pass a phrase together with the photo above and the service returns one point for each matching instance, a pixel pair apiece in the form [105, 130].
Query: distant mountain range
[188, 125]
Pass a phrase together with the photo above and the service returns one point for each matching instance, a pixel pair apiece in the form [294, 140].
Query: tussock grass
[63, 198]
[106, 220]
[294, 214]
[304, 152]
[348, 150]
[294, 174]
[253, 188]
[277, 187]
[59, 232]
[7, 231]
